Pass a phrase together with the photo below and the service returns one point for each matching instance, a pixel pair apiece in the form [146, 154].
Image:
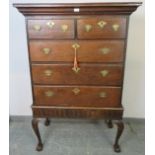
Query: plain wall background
[20, 85]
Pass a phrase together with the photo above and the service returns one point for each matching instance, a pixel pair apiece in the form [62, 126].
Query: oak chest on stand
[77, 56]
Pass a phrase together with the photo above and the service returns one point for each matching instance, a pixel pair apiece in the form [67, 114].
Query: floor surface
[76, 137]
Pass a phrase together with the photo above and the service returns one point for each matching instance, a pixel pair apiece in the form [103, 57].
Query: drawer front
[88, 51]
[51, 29]
[88, 74]
[77, 96]
[78, 112]
[102, 27]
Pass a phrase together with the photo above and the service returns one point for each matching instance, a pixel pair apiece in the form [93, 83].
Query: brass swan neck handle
[75, 68]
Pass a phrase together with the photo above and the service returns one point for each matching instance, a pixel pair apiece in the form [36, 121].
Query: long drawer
[78, 112]
[87, 51]
[77, 96]
[96, 74]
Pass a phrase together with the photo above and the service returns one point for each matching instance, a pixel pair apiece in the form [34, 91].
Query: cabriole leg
[120, 128]
[109, 123]
[47, 122]
[36, 131]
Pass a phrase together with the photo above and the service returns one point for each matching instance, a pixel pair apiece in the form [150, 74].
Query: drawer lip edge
[119, 64]
[81, 86]
[82, 108]
[99, 113]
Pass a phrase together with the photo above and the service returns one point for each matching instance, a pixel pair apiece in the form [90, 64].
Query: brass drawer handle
[49, 93]
[37, 27]
[102, 24]
[105, 50]
[115, 27]
[76, 46]
[104, 73]
[88, 27]
[64, 27]
[75, 68]
[46, 50]
[50, 24]
[76, 91]
[103, 94]
[48, 72]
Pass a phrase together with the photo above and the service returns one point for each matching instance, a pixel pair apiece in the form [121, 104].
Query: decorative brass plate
[102, 24]
[103, 94]
[76, 69]
[49, 93]
[88, 27]
[115, 27]
[105, 50]
[104, 73]
[37, 27]
[76, 91]
[76, 45]
[48, 72]
[50, 24]
[64, 27]
[46, 50]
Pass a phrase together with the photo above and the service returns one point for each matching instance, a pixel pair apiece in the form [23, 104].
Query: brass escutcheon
[50, 24]
[76, 91]
[102, 24]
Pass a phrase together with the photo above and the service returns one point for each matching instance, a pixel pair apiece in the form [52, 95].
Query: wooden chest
[77, 56]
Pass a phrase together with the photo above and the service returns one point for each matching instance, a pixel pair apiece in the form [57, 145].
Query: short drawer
[81, 96]
[88, 51]
[51, 29]
[87, 74]
[102, 27]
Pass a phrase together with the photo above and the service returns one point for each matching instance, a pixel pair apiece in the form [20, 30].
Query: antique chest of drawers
[77, 56]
